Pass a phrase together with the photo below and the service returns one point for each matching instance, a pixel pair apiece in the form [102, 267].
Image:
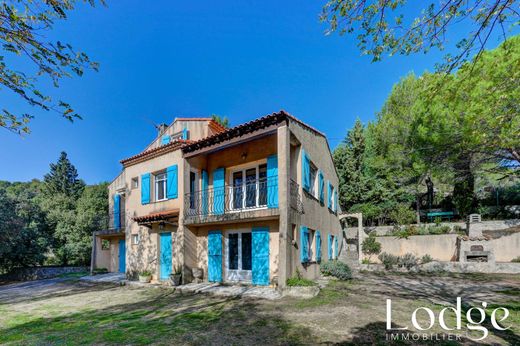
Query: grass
[294, 282]
[74, 275]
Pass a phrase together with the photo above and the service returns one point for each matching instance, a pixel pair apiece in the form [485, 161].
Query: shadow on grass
[167, 318]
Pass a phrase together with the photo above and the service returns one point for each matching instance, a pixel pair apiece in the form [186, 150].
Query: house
[254, 203]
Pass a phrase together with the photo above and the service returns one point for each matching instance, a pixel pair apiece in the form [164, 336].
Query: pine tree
[63, 178]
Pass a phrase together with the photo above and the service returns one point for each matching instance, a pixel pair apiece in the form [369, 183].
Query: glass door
[238, 256]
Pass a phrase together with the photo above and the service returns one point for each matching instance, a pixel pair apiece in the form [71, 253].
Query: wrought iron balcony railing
[116, 220]
[295, 199]
[250, 195]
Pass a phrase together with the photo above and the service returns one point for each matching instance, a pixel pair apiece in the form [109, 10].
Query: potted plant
[176, 276]
[145, 276]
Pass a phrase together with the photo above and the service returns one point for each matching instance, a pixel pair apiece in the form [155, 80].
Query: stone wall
[37, 273]
[456, 267]
[493, 225]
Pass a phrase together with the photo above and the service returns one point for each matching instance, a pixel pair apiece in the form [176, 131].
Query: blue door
[215, 256]
[260, 249]
[165, 256]
[122, 256]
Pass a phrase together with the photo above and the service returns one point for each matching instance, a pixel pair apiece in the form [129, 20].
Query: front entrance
[238, 256]
[165, 260]
[122, 256]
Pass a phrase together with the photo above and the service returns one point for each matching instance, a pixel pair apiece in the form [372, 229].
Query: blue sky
[172, 59]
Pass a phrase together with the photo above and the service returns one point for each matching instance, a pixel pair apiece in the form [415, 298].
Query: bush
[438, 229]
[408, 261]
[371, 246]
[145, 273]
[365, 261]
[402, 214]
[388, 260]
[423, 230]
[426, 259]
[337, 269]
[516, 260]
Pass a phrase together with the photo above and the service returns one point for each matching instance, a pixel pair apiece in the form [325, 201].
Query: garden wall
[37, 273]
[493, 225]
[440, 247]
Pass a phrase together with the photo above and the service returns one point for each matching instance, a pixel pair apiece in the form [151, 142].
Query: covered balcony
[256, 196]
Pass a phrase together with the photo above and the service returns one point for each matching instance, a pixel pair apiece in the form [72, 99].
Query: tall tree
[382, 28]
[63, 178]
[22, 27]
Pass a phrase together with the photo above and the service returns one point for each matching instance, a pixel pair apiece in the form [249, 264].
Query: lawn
[70, 312]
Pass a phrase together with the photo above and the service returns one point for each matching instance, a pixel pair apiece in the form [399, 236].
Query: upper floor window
[160, 186]
[332, 200]
[249, 187]
[313, 171]
[311, 243]
[135, 183]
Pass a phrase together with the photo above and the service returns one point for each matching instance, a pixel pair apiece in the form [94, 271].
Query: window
[160, 187]
[135, 183]
[135, 239]
[311, 253]
[331, 197]
[105, 244]
[239, 252]
[193, 188]
[313, 190]
[249, 187]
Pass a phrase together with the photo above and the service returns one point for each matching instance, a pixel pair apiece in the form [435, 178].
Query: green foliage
[371, 246]
[407, 261]
[23, 27]
[398, 27]
[402, 215]
[388, 260]
[426, 259]
[516, 260]
[294, 281]
[337, 269]
[145, 273]
[224, 121]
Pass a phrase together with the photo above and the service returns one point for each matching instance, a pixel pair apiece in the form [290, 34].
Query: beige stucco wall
[202, 243]
[316, 216]
[439, 247]
[506, 247]
[109, 258]
[102, 256]
[197, 129]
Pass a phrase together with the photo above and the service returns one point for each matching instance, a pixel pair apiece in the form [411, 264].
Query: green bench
[442, 214]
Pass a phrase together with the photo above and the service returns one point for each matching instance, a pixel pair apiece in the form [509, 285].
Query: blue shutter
[165, 139]
[165, 260]
[321, 187]
[304, 244]
[260, 256]
[329, 195]
[122, 256]
[336, 247]
[218, 191]
[272, 181]
[145, 188]
[204, 192]
[172, 182]
[117, 211]
[318, 246]
[185, 133]
[329, 247]
[215, 256]
[306, 171]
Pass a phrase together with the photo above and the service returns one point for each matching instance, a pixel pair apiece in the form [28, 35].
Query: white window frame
[331, 197]
[135, 183]
[312, 244]
[136, 239]
[243, 169]
[235, 275]
[314, 188]
[156, 184]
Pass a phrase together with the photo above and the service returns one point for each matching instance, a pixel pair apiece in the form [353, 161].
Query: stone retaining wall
[37, 273]
[454, 267]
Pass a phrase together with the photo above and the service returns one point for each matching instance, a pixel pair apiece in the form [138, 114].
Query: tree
[224, 121]
[24, 234]
[63, 178]
[23, 23]
[349, 159]
[381, 27]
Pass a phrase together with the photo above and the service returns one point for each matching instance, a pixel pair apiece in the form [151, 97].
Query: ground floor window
[239, 256]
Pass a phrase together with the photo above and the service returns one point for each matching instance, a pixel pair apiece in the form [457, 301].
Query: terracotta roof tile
[162, 149]
[160, 216]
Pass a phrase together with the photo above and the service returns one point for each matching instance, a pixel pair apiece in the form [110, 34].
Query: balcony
[116, 221]
[257, 198]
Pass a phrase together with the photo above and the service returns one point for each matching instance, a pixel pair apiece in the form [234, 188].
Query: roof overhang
[169, 217]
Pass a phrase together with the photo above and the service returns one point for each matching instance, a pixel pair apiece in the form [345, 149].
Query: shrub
[438, 229]
[408, 261]
[388, 260]
[145, 273]
[365, 261]
[516, 260]
[402, 214]
[337, 269]
[371, 246]
[426, 259]
[423, 230]
[295, 281]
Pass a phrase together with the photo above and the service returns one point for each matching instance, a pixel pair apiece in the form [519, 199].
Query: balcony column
[284, 150]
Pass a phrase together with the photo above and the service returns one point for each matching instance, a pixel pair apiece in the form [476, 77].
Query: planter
[176, 279]
[145, 278]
